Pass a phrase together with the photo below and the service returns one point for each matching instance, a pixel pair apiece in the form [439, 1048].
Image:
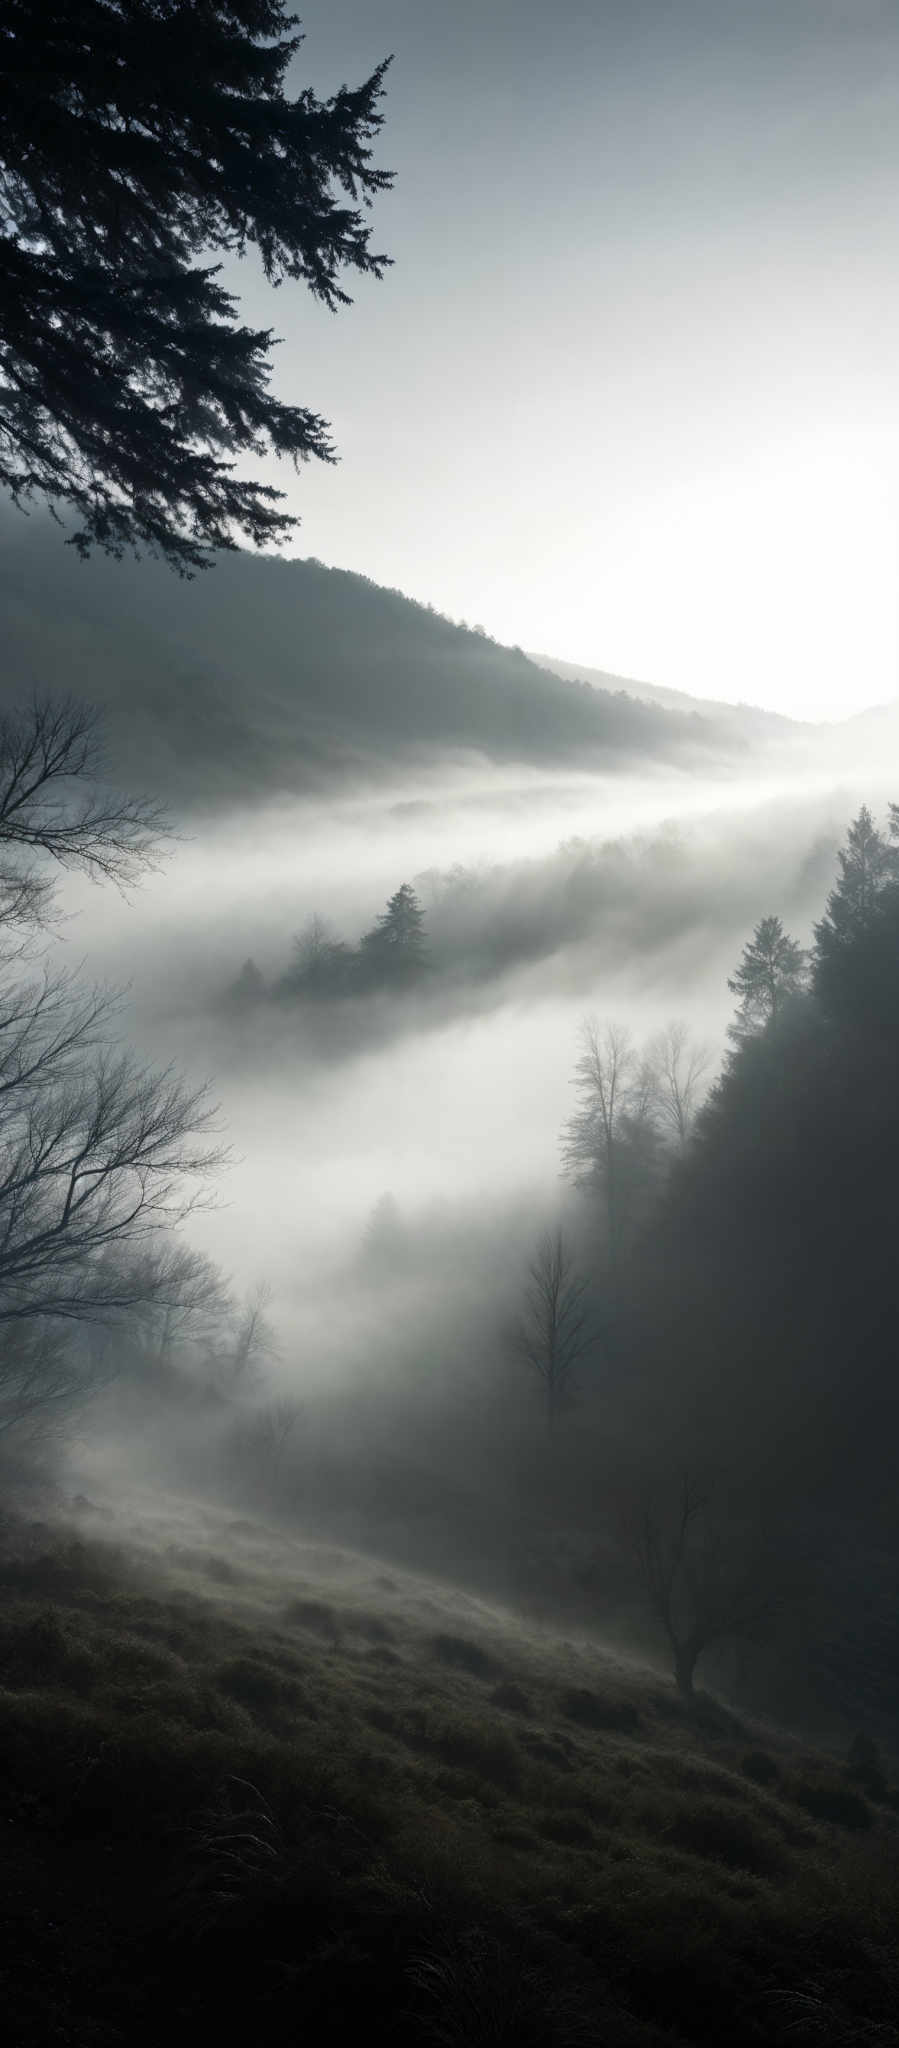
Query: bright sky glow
[630, 394]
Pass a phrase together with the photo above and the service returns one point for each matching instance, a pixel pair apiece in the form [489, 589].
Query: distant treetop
[134, 136]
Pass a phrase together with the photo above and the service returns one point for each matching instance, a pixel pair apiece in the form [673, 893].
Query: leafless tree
[679, 1064]
[100, 1155]
[56, 806]
[258, 1445]
[51, 1365]
[41, 1378]
[701, 1587]
[252, 1338]
[553, 1332]
[195, 1313]
[610, 1144]
[93, 1162]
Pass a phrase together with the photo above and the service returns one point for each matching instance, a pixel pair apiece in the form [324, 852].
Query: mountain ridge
[269, 676]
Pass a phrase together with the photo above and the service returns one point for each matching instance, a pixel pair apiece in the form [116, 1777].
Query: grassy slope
[257, 1791]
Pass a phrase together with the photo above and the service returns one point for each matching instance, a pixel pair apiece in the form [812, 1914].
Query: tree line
[738, 1265]
[392, 955]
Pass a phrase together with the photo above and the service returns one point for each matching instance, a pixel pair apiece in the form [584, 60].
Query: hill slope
[257, 1790]
[748, 719]
[267, 675]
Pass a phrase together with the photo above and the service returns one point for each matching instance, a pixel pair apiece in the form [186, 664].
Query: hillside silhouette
[272, 676]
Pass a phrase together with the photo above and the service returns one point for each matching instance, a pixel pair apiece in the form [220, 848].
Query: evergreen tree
[248, 987]
[397, 945]
[856, 960]
[771, 969]
[134, 136]
[868, 864]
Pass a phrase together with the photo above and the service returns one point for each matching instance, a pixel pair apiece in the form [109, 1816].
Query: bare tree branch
[54, 803]
[680, 1065]
[99, 1155]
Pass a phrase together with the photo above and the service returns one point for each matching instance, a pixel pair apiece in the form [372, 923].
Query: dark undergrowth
[310, 1818]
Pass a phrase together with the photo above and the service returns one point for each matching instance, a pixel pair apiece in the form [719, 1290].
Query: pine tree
[397, 945]
[135, 135]
[855, 963]
[771, 969]
[248, 987]
[868, 864]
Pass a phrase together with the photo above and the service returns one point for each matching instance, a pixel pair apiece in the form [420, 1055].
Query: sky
[629, 395]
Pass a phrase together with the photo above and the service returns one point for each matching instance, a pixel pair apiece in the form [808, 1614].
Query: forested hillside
[272, 676]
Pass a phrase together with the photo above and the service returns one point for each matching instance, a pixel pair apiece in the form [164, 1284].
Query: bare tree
[610, 1144]
[94, 1162]
[42, 1378]
[253, 1337]
[191, 1314]
[680, 1064]
[320, 960]
[55, 804]
[258, 1445]
[99, 1155]
[701, 1587]
[553, 1332]
[51, 1365]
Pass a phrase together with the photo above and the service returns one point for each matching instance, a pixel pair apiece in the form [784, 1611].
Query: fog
[449, 1102]
[547, 898]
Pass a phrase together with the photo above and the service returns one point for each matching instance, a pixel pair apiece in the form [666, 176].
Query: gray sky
[629, 394]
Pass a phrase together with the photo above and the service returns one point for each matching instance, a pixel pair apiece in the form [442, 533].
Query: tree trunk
[686, 1656]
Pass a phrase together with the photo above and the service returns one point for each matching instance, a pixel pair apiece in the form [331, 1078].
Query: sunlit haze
[628, 395]
[449, 1000]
